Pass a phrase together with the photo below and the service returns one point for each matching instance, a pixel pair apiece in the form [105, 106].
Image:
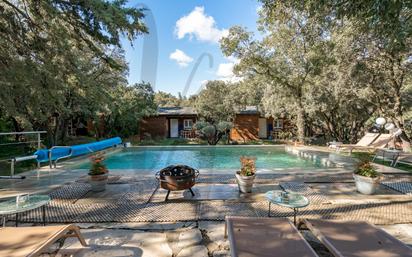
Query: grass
[169, 141]
[180, 141]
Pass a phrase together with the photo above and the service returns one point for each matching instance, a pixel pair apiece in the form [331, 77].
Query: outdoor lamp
[380, 121]
[389, 126]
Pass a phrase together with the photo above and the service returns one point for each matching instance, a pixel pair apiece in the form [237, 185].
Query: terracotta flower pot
[98, 182]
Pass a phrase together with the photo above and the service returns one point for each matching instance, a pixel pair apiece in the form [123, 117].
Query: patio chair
[378, 143]
[356, 239]
[264, 237]
[33, 241]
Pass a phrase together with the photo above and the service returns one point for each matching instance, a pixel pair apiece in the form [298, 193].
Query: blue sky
[186, 29]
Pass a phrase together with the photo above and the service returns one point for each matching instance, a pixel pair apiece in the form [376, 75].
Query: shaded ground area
[138, 199]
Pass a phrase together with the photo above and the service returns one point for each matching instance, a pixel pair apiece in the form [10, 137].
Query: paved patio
[131, 217]
[138, 199]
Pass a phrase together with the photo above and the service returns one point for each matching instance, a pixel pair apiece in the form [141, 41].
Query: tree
[290, 56]
[338, 102]
[129, 105]
[382, 41]
[212, 133]
[30, 26]
[214, 103]
[163, 99]
[217, 105]
[61, 59]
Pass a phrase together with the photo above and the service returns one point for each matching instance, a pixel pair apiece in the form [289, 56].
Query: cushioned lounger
[357, 239]
[378, 142]
[264, 237]
[33, 241]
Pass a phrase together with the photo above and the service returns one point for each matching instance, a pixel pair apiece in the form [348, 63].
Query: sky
[180, 33]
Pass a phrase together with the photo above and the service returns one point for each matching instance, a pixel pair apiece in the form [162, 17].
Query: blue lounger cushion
[77, 150]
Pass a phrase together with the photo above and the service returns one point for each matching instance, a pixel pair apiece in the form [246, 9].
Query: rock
[118, 242]
[215, 235]
[221, 253]
[189, 238]
[194, 251]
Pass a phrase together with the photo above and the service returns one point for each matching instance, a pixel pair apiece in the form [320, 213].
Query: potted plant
[366, 177]
[247, 174]
[98, 173]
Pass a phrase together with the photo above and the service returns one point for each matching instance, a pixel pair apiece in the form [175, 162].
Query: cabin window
[278, 124]
[187, 124]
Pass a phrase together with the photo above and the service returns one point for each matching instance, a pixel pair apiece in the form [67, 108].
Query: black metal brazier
[177, 177]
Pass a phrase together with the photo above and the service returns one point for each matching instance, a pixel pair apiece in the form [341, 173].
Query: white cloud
[181, 58]
[225, 70]
[199, 25]
[203, 83]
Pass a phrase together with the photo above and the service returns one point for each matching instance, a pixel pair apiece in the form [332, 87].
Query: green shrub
[366, 169]
[98, 167]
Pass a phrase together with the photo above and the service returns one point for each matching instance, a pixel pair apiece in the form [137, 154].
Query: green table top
[25, 203]
[293, 200]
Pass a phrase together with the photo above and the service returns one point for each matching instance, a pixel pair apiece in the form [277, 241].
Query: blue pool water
[155, 158]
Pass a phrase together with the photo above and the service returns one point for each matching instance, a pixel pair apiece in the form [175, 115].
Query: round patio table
[290, 200]
[20, 204]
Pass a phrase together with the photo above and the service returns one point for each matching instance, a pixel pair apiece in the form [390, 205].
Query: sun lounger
[357, 239]
[366, 140]
[405, 158]
[378, 143]
[387, 155]
[33, 241]
[264, 237]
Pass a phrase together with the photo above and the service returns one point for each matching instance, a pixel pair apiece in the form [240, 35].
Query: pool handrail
[50, 153]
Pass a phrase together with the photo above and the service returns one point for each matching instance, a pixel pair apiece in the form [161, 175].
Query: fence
[18, 146]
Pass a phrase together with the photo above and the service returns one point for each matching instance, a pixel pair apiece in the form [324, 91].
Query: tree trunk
[63, 131]
[55, 132]
[17, 128]
[300, 123]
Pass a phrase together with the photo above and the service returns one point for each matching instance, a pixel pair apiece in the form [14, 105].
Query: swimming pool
[221, 157]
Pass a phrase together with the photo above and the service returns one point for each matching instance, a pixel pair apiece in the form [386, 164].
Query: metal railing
[50, 153]
[62, 157]
[38, 141]
[14, 160]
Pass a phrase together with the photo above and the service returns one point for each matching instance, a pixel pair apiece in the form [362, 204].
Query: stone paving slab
[107, 243]
[169, 211]
[122, 242]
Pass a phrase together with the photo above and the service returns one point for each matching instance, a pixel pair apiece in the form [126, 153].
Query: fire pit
[177, 177]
